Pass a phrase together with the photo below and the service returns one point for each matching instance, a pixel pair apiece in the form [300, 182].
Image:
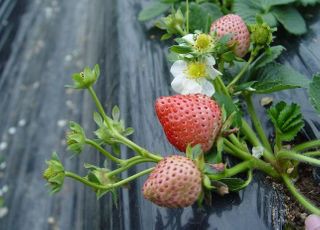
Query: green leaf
[267, 57]
[116, 113]
[269, 3]
[179, 49]
[234, 184]
[291, 19]
[270, 19]
[276, 77]
[201, 15]
[314, 92]
[152, 11]
[248, 9]
[287, 120]
[98, 119]
[128, 131]
[308, 2]
[166, 36]
[229, 106]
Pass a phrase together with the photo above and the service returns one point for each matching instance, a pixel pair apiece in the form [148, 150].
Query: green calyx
[261, 33]
[86, 78]
[54, 174]
[173, 23]
[75, 138]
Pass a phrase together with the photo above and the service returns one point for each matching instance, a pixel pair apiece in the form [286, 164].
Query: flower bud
[86, 78]
[261, 33]
[75, 138]
[54, 174]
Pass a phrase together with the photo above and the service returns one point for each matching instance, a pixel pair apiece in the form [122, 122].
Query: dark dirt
[295, 213]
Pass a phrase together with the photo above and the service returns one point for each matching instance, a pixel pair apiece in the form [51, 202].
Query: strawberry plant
[216, 73]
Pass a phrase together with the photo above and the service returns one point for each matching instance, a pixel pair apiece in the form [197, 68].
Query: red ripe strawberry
[189, 119]
[233, 24]
[174, 183]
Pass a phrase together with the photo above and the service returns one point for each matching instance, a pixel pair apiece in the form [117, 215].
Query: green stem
[221, 85]
[187, 16]
[248, 181]
[232, 171]
[242, 72]
[127, 166]
[291, 155]
[259, 164]
[257, 124]
[133, 177]
[302, 199]
[278, 142]
[109, 186]
[245, 128]
[236, 142]
[307, 145]
[99, 107]
[104, 152]
[312, 154]
[141, 151]
[83, 180]
[180, 30]
[249, 133]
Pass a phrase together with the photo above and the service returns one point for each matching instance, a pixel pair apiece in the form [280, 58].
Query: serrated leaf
[287, 120]
[234, 184]
[276, 77]
[267, 57]
[291, 19]
[314, 92]
[153, 10]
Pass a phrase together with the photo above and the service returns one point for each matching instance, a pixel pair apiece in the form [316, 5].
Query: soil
[307, 185]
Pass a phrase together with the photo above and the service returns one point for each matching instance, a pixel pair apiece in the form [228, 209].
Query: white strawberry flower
[193, 77]
[202, 43]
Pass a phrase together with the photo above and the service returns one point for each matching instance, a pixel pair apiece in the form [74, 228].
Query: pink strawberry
[174, 183]
[233, 24]
[189, 119]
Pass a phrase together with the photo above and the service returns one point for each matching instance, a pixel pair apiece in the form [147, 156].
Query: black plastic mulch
[49, 41]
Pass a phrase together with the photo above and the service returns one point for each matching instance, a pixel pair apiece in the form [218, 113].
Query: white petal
[213, 73]
[191, 87]
[210, 60]
[178, 84]
[189, 38]
[207, 87]
[257, 151]
[178, 68]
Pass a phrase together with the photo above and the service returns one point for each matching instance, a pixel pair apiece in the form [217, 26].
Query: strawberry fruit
[233, 24]
[189, 119]
[174, 183]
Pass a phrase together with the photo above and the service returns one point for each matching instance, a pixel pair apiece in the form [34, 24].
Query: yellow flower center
[196, 70]
[203, 42]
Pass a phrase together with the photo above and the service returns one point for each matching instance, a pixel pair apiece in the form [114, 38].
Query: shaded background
[42, 42]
